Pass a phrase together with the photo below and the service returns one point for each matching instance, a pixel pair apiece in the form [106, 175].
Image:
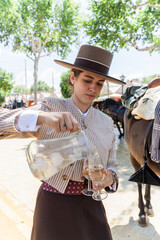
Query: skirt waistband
[73, 188]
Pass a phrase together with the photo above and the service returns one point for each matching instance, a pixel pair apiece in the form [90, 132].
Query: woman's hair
[76, 74]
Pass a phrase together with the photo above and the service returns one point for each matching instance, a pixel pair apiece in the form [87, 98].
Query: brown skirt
[69, 217]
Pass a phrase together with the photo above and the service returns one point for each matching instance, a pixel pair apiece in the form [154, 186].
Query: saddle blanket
[145, 107]
[155, 143]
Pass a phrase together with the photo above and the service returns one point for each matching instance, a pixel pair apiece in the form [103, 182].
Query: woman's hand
[108, 180]
[60, 121]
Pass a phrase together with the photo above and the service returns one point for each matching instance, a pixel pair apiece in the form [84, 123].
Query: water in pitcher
[48, 156]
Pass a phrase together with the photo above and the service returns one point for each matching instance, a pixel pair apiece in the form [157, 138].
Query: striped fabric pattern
[7, 119]
[97, 126]
[155, 144]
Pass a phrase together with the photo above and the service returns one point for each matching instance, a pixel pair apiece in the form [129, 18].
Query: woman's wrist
[110, 177]
[41, 118]
[114, 177]
[114, 185]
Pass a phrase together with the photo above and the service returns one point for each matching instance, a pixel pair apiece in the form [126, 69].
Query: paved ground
[18, 189]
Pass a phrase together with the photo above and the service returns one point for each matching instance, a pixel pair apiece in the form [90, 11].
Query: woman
[62, 211]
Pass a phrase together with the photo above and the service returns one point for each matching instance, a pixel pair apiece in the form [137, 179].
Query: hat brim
[107, 78]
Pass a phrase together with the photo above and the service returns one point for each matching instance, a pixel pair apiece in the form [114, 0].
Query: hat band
[92, 66]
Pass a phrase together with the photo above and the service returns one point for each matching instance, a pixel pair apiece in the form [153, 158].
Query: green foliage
[19, 89]
[2, 97]
[66, 89]
[6, 83]
[148, 79]
[116, 24]
[41, 86]
[55, 22]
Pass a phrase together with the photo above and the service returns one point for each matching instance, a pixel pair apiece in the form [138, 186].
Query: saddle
[142, 100]
[132, 95]
[154, 83]
[145, 107]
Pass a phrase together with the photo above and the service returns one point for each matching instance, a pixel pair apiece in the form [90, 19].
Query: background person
[14, 104]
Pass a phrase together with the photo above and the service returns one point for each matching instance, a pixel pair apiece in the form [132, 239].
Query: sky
[132, 64]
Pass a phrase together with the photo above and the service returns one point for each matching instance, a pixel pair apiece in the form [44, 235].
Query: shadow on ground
[133, 231]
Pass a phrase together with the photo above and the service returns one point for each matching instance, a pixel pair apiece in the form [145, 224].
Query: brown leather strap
[145, 148]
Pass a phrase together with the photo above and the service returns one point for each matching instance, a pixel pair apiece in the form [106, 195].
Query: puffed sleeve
[8, 121]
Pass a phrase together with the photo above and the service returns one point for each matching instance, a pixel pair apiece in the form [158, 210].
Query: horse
[134, 134]
[116, 111]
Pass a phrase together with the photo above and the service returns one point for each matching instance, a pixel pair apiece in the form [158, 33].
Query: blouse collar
[72, 107]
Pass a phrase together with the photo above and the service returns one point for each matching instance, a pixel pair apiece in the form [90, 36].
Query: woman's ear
[72, 78]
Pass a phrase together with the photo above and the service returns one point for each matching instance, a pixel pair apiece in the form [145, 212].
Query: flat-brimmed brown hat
[93, 59]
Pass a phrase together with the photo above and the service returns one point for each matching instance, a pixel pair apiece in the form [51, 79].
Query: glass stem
[98, 192]
[89, 185]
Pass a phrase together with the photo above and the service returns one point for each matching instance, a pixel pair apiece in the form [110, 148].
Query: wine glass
[96, 174]
[87, 191]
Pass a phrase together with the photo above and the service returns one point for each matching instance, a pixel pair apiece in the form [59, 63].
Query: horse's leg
[119, 129]
[147, 196]
[122, 128]
[143, 219]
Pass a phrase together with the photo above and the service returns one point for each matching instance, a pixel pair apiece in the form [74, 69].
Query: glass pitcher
[47, 157]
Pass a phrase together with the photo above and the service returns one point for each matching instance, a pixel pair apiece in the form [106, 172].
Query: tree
[116, 24]
[19, 89]
[66, 90]
[6, 83]
[56, 23]
[148, 79]
[2, 97]
[41, 86]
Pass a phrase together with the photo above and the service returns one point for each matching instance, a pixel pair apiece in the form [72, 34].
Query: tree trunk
[35, 75]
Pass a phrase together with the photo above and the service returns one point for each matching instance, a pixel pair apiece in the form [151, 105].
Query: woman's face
[86, 87]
